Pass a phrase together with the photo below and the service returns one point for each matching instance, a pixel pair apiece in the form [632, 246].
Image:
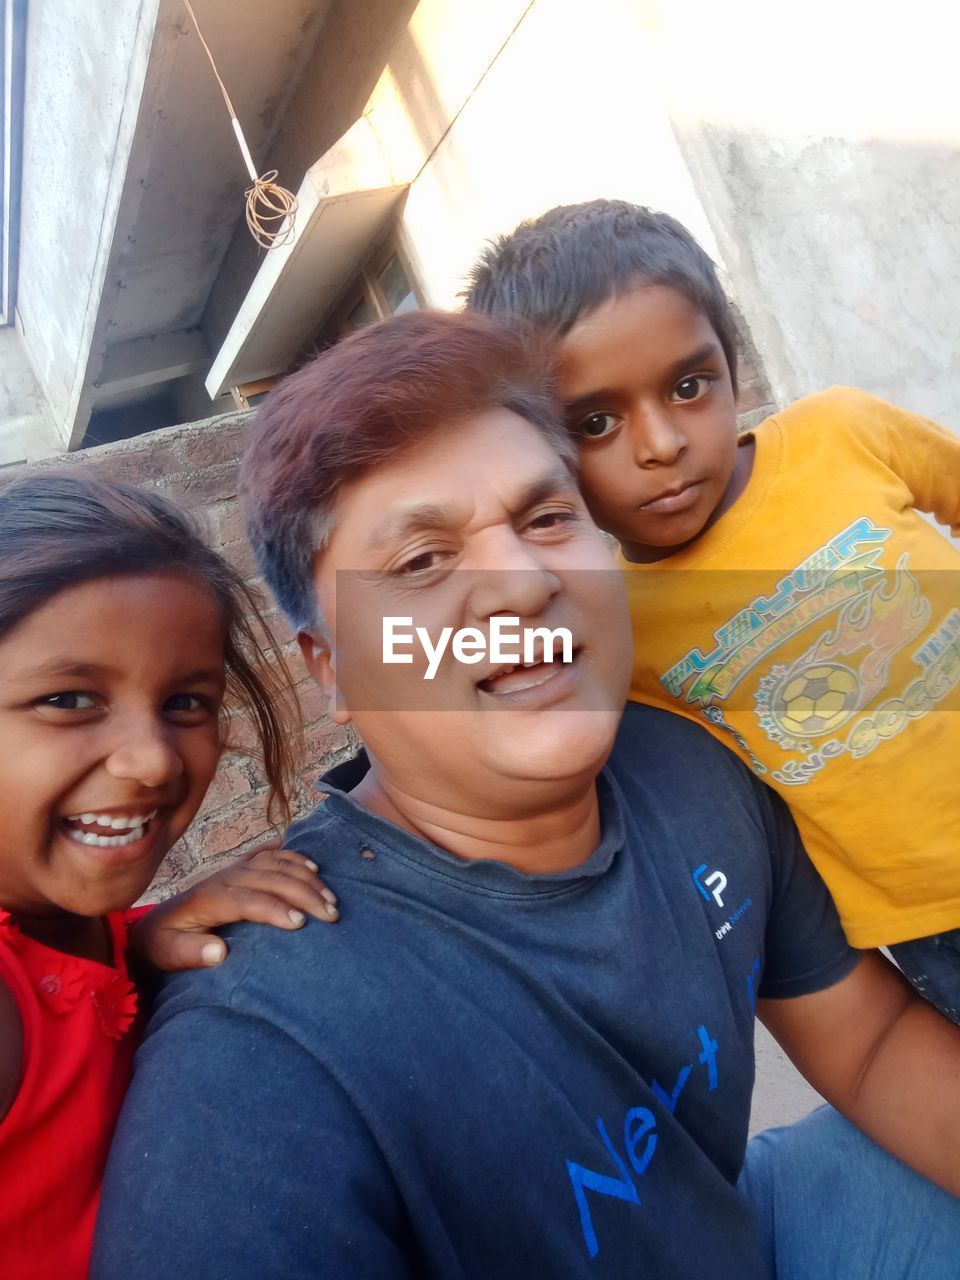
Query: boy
[784, 589]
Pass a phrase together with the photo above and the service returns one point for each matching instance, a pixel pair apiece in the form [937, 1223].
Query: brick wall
[197, 465]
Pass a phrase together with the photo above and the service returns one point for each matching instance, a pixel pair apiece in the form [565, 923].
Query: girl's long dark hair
[62, 528]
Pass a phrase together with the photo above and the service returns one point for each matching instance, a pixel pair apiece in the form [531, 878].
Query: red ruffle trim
[8, 930]
[67, 980]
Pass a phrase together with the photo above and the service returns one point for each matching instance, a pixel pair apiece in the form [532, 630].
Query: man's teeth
[526, 666]
[133, 828]
[531, 684]
[544, 672]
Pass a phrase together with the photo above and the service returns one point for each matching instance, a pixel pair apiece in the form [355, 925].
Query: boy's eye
[69, 701]
[691, 388]
[597, 425]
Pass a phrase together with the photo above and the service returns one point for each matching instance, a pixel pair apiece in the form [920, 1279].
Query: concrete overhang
[344, 203]
[150, 234]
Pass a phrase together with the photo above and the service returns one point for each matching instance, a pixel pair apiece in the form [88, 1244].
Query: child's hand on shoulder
[271, 885]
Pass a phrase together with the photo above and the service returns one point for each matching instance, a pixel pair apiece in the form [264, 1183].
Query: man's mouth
[107, 830]
[526, 675]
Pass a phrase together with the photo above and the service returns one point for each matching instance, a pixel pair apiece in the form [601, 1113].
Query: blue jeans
[933, 966]
[834, 1206]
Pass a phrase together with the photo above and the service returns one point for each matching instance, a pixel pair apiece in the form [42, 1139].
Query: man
[527, 1049]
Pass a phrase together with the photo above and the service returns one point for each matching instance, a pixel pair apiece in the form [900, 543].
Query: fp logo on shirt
[716, 882]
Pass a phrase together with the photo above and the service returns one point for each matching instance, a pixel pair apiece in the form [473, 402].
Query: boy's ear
[322, 665]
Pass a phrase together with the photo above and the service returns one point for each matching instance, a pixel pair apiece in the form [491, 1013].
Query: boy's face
[647, 391]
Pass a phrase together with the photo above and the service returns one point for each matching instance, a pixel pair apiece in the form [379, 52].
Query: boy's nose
[656, 439]
[146, 756]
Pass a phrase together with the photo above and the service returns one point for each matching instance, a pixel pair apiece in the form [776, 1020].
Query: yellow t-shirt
[815, 629]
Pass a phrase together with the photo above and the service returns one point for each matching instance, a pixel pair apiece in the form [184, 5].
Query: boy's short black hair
[557, 268]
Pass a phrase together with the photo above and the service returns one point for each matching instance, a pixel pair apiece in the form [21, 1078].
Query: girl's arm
[11, 1053]
[271, 885]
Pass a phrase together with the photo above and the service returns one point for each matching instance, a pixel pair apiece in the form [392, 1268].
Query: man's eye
[552, 519]
[691, 388]
[69, 701]
[421, 563]
[597, 425]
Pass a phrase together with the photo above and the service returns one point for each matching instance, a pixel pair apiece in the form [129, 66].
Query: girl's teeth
[104, 820]
[96, 829]
[109, 842]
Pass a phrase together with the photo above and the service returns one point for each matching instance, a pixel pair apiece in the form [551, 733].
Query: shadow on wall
[844, 256]
[429, 116]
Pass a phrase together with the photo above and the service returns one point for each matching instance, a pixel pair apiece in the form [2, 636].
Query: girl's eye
[69, 701]
[693, 388]
[189, 704]
[597, 425]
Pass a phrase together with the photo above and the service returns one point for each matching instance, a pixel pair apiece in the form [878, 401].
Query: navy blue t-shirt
[477, 1072]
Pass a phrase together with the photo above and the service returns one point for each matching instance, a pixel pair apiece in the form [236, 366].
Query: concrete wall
[813, 151]
[516, 107]
[824, 142]
[498, 112]
[85, 69]
[26, 427]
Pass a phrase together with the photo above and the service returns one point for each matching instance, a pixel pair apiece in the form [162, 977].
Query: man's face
[482, 519]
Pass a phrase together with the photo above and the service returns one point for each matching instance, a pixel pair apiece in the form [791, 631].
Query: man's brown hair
[368, 400]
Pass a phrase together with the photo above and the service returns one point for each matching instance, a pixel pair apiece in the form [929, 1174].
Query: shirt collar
[379, 833]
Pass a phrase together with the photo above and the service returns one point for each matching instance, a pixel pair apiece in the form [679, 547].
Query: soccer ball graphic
[816, 701]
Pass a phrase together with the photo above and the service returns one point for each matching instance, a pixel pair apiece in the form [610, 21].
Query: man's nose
[145, 754]
[655, 438]
[512, 581]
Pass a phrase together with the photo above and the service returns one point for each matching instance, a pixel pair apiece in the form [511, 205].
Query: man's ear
[321, 664]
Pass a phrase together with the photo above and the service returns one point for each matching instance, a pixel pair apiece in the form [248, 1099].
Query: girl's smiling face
[109, 737]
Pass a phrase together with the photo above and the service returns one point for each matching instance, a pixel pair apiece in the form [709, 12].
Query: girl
[122, 639]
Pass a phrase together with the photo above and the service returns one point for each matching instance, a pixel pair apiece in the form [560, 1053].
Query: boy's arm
[925, 456]
[237, 1154]
[885, 1059]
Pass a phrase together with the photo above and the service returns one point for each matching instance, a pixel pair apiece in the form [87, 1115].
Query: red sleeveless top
[78, 1047]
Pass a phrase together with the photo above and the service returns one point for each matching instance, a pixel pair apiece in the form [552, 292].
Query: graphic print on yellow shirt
[816, 630]
[803, 706]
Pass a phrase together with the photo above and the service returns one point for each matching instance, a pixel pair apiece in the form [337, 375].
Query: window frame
[363, 286]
